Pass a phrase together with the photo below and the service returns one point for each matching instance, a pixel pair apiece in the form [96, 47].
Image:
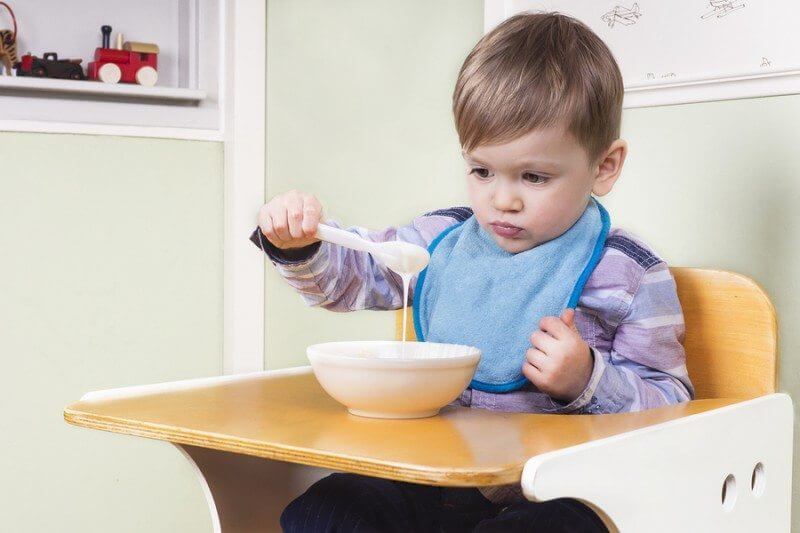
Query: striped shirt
[628, 313]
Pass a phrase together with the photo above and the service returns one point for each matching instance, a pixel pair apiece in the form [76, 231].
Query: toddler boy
[571, 315]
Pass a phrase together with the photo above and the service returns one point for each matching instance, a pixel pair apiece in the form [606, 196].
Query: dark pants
[351, 503]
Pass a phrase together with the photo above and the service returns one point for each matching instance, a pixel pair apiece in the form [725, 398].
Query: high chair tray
[286, 416]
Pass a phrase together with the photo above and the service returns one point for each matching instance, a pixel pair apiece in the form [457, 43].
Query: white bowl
[378, 380]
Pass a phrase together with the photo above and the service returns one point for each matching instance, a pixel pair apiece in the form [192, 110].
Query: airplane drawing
[721, 8]
[622, 15]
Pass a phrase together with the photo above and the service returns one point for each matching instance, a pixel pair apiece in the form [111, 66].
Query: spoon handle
[343, 238]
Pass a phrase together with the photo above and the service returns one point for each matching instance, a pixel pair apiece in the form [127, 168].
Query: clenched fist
[290, 220]
[559, 362]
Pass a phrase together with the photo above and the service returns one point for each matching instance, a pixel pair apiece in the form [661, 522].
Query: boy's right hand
[290, 220]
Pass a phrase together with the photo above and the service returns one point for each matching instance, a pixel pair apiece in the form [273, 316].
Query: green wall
[358, 113]
[111, 275]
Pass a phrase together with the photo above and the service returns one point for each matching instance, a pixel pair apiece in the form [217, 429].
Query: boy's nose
[505, 198]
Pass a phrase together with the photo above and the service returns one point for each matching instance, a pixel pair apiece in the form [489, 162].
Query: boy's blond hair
[537, 70]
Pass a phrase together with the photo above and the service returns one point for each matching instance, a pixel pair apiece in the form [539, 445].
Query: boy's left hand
[560, 362]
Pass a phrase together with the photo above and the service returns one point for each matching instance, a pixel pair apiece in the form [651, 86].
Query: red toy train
[134, 63]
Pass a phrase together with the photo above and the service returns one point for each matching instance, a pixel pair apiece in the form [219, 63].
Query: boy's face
[530, 190]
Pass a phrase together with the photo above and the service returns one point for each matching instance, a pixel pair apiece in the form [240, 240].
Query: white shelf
[187, 101]
[55, 86]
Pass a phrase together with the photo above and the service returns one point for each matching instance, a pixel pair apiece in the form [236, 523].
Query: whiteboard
[676, 51]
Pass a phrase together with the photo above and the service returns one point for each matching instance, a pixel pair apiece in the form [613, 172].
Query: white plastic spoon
[402, 257]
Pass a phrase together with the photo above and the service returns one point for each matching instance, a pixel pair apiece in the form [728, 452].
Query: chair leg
[726, 470]
[244, 493]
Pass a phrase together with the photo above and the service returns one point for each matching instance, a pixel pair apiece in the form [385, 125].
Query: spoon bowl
[402, 257]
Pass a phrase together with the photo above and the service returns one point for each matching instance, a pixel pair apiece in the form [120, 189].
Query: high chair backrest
[731, 333]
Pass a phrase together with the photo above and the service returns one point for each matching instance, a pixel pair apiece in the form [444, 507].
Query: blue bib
[475, 293]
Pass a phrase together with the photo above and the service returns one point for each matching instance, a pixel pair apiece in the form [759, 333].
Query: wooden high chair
[721, 462]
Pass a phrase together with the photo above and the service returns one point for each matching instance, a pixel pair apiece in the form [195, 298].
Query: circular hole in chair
[729, 492]
[758, 480]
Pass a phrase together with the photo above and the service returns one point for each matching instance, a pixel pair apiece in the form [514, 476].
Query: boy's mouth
[504, 229]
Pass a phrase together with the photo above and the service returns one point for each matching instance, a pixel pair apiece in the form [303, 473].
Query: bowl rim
[315, 351]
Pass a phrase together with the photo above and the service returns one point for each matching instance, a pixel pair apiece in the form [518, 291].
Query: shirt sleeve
[341, 279]
[646, 365]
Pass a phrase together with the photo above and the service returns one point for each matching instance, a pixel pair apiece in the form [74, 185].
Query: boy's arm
[341, 279]
[646, 366]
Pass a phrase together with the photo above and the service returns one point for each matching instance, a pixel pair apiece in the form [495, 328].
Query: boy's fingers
[312, 212]
[294, 215]
[542, 341]
[537, 358]
[533, 374]
[280, 224]
[272, 237]
[554, 326]
[264, 224]
[263, 216]
[568, 317]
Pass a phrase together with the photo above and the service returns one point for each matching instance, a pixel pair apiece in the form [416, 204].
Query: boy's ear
[609, 167]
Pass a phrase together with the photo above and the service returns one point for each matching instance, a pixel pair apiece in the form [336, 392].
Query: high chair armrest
[670, 477]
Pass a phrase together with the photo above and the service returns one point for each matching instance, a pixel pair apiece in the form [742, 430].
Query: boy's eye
[482, 173]
[530, 177]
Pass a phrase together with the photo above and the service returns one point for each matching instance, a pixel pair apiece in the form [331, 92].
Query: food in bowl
[385, 379]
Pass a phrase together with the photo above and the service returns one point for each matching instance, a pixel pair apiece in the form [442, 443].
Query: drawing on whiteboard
[652, 76]
[623, 15]
[721, 8]
[765, 62]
